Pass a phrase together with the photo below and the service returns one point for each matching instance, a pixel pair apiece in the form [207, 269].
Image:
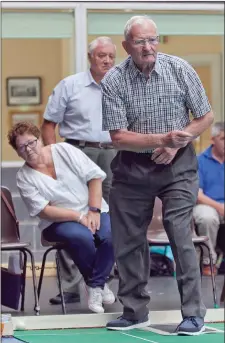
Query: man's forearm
[200, 125]
[48, 133]
[132, 141]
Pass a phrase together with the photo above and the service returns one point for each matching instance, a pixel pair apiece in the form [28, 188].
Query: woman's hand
[93, 221]
[84, 221]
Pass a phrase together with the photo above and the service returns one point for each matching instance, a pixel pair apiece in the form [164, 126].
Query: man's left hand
[164, 155]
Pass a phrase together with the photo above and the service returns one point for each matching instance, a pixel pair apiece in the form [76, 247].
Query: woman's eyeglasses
[31, 145]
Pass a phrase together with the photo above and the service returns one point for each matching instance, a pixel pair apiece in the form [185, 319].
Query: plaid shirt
[159, 104]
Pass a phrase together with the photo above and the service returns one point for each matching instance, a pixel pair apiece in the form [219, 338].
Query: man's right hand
[177, 139]
[220, 209]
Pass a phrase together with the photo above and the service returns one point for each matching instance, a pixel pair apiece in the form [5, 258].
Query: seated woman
[63, 187]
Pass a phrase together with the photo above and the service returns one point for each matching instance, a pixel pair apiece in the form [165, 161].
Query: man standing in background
[76, 106]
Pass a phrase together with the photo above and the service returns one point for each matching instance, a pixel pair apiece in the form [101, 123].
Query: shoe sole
[185, 333]
[92, 309]
[135, 326]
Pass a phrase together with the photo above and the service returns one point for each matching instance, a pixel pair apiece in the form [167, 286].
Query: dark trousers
[137, 180]
[93, 254]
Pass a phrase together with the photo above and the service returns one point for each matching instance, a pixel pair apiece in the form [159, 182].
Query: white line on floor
[143, 339]
[42, 334]
[214, 329]
[59, 334]
[159, 332]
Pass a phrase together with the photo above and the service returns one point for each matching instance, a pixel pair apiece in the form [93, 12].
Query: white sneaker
[108, 296]
[95, 299]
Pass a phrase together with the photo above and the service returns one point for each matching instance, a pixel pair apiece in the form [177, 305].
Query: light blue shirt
[76, 105]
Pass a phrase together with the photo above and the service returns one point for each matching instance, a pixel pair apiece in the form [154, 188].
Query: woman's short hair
[20, 129]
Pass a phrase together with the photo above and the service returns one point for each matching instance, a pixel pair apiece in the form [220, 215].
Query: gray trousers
[136, 182]
[71, 276]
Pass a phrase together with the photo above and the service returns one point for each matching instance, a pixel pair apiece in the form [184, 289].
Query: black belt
[83, 144]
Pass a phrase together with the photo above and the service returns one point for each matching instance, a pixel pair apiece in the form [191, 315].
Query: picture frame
[23, 91]
[30, 116]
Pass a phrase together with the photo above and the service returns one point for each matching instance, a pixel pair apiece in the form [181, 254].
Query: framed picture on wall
[23, 91]
[31, 116]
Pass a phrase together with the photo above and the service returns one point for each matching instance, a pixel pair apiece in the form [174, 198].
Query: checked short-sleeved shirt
[159, 104]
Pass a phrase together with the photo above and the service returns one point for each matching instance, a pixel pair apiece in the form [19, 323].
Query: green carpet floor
[104, 336]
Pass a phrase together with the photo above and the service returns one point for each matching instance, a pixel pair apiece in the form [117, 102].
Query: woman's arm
[95, 200]
[95, 193]
[58, 214]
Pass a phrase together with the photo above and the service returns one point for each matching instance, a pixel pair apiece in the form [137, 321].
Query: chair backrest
[156, 223]
[9, 228]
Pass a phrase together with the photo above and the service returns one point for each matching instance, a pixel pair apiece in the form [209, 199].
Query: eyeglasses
[151, 40]
[31, 145]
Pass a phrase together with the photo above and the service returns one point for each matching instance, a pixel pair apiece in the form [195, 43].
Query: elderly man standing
[209, 212]
[76, 106]
[146, 104]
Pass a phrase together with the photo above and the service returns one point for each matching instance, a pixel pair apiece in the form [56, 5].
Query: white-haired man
[209, 213]
[75, 105]
[146, 104]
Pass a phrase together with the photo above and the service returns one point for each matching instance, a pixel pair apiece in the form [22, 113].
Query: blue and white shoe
[191, 326]
[124, 324]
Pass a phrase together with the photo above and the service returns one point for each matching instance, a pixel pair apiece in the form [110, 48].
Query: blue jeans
[93, 254]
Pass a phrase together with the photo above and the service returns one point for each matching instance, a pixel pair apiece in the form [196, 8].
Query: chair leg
[212, 275]
[60, 283]
[24, 280]
[201, 259]
[36, 306]
[42, 271]
[222, 297]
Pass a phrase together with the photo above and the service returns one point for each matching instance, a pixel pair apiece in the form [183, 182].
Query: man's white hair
[217, 128]
[138, 19]
[100, 40]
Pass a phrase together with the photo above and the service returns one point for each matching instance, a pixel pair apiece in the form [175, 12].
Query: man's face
[218, 144]
[102, 59]
[142, 44]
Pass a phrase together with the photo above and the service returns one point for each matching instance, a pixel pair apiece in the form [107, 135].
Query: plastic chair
[157, 236]
[10, 241]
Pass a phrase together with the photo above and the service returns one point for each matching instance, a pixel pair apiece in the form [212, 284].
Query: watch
[94, 209]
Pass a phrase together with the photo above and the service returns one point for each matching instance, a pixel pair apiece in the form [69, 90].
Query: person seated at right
[209, 211]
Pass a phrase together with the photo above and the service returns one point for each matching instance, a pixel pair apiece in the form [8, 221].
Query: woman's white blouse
[70, 190]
